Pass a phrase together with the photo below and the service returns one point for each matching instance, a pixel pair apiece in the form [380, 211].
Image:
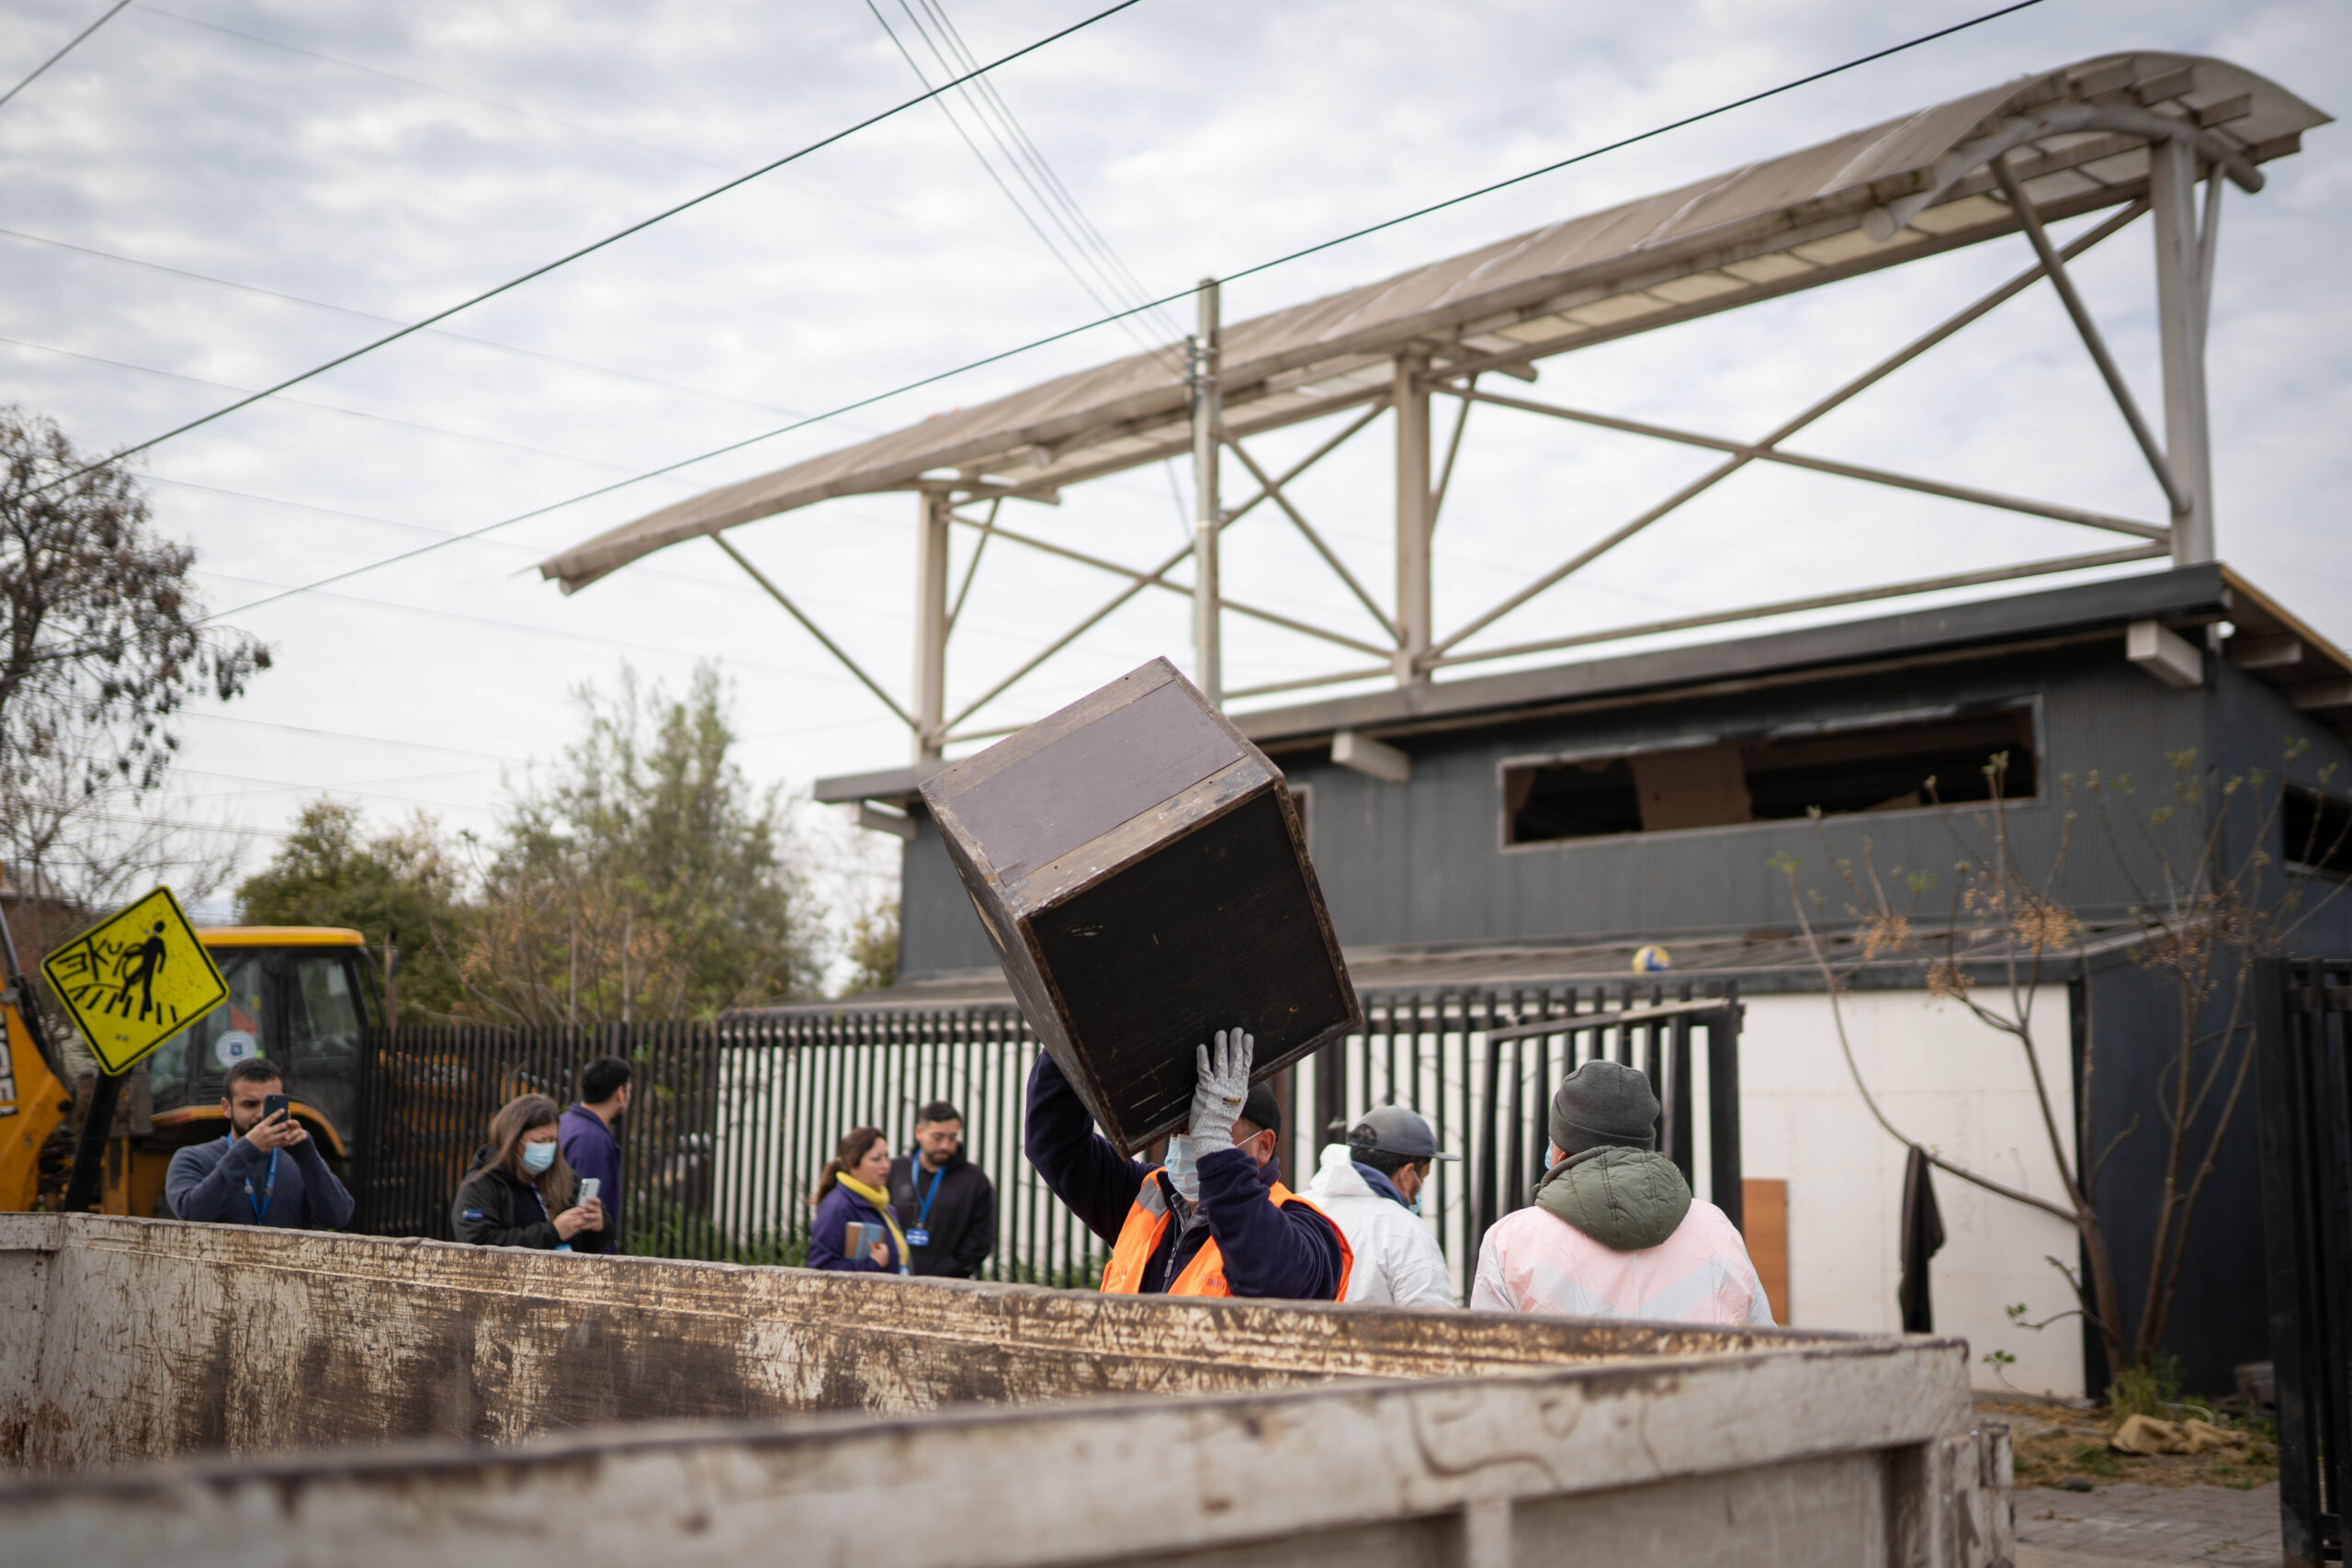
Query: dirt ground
[2057, 1443]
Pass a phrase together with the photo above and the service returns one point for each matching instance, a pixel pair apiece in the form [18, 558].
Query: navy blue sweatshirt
[226, 1181]
[1269, 1251]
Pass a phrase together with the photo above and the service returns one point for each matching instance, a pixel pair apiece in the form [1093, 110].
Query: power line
[986, 89]
[997, 179]
[313, 403]
[1113, 291]
[71, 45]
[372, 316]
[559, 632]
[589, 249]
[1051, 338]
[343, 735]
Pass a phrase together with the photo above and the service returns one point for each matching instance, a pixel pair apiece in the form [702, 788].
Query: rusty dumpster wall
[126, 1339]
[1854, 1454]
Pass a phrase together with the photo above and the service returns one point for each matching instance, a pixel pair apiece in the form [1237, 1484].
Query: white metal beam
[987, 525]
[2052, 263]
[1876, 373]
[1828, 466]
[931, 627]
[1159, 579]
[813, 629]
[1454, 450]
[1331, 558]
[2180, 321]
[1379, 406]
[1412, 401]
[1819, 602]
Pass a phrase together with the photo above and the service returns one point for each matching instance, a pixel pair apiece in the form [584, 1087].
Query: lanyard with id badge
[918, 1234]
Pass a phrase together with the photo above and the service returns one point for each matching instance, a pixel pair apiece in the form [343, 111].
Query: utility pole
[1201, 372]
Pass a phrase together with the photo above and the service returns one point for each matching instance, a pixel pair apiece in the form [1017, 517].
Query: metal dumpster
[919, 1421]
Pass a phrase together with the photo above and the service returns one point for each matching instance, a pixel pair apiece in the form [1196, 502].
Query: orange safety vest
[1204, 1275]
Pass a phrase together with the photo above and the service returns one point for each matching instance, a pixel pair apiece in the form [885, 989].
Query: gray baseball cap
[1393, 1130]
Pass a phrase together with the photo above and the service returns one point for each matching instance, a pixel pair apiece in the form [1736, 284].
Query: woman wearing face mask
[851, 1192]
[519, 1192]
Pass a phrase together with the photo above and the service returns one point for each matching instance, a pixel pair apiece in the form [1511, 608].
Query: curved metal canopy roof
[1910, 188]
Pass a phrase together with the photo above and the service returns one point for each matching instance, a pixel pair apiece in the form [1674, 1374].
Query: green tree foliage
[873, 948]
[403, 888]
[643, 878]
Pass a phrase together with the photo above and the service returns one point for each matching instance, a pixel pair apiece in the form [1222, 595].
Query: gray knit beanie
[1604, 1102]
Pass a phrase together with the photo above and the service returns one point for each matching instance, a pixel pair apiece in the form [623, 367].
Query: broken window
[1841, 770]
[2316, 833]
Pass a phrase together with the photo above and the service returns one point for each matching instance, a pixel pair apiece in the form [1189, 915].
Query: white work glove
[1223, 1083]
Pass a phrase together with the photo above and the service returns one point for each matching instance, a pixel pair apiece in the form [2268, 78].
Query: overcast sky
[209, 195]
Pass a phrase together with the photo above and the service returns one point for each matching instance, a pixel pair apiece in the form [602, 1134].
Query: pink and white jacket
[1533, 1260]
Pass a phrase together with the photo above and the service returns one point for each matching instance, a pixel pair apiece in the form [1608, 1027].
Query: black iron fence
[731, 1122]
[2304, 1056]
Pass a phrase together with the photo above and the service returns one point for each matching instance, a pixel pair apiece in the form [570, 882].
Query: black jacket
[962, 1223]
[494, 1208]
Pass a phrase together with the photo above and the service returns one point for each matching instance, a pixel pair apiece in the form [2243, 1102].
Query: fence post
[1723, 1107]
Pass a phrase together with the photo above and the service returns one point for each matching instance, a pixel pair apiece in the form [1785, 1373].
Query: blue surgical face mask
[1183, 1166]
[537, 1158]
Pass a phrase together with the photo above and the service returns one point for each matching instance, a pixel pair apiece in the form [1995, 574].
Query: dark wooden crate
[1140, 871]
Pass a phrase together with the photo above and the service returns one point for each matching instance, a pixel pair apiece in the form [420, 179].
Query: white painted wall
[1964, 1091]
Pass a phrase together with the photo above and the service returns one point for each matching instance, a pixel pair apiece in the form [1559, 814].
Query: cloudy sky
[209, 195]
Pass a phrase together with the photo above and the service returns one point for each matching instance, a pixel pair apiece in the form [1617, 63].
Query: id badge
[918, 1237]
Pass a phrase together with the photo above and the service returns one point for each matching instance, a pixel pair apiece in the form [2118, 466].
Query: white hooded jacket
[1398, 1261]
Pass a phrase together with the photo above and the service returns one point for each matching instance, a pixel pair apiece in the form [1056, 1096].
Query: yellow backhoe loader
[300, 996]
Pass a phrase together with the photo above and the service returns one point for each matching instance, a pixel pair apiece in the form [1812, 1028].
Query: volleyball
[1651, 959]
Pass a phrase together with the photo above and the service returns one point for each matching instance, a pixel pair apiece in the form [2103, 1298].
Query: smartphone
[273, 1105]
[589, 1187]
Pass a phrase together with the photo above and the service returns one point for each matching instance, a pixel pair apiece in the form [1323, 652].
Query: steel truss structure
[2133, 132]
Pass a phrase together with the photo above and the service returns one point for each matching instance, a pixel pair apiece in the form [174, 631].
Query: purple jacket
[1269, 1251]
[835, 1210]
[589, 1149]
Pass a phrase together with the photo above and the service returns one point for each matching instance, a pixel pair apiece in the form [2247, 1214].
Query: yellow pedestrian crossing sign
[134, 981]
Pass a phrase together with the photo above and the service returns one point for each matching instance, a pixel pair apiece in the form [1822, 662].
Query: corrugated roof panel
[1743, 233]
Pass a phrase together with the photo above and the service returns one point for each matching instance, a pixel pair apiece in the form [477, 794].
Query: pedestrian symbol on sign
[134, 981]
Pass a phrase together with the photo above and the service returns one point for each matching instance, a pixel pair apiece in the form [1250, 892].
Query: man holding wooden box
[1216, 1220]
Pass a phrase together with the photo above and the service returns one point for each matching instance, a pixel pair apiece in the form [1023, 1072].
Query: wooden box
[1139, 868]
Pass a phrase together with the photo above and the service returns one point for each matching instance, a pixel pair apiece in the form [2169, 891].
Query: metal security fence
[2303, 1057]
[1481, 1065]
[731, 1121]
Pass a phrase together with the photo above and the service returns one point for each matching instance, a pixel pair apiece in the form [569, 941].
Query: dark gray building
[1538, 824]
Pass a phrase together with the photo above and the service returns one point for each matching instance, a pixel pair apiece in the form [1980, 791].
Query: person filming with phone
[520, 1192]
[265, 1171]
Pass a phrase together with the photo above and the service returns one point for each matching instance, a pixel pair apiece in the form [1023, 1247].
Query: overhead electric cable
[420, 428]
[1029, 164]
[71, 45]
[1112, 299]
[1067, 333]
[1026, 148]
[341, 735]
[568, 258]
[354, 311]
